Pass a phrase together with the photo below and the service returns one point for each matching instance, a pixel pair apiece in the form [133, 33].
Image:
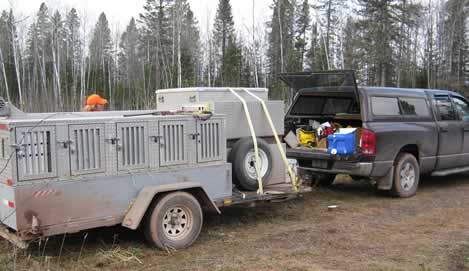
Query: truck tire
[406, 176]
[242, 157]
[323, 179]
[174, 221]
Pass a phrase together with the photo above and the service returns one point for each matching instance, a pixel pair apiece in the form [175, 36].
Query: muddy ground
[368, 231]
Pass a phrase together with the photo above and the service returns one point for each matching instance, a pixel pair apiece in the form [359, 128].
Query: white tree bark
[4, 75]
[282, 66]
[17, 68]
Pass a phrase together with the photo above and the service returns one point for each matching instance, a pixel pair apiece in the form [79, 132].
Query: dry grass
[429, 232]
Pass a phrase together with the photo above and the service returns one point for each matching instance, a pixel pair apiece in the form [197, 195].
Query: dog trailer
[69, 172]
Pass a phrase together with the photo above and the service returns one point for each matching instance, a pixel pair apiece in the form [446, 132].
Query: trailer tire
[242, 158]
[406, 176]
[174, 221]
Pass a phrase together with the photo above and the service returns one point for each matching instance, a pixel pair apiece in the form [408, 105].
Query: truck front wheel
[406, 176]
[174, 221]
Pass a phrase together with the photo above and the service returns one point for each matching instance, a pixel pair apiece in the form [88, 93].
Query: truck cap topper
[335, 81]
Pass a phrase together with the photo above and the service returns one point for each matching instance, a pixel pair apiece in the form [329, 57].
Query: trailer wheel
[243, 159]
[406, 176]
[174, 221]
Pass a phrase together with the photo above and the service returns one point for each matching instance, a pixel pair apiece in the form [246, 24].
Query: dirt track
[366, 232]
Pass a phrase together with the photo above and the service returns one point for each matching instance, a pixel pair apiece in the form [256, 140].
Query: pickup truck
[404, 133]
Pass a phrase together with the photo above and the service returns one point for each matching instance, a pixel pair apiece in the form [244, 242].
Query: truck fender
[140, 205]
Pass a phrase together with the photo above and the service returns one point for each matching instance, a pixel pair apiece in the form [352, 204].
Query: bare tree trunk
[281, 36]
[110, 84]
[56, 60]
[4, 75]
[179, 26]
[17, 68]
[254, 47]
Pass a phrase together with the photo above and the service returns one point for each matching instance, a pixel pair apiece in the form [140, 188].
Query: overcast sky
[119, 12]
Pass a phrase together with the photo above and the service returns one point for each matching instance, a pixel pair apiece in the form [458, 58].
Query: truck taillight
[368, 142]
[9, 182]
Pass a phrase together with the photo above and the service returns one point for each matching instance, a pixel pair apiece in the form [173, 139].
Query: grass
[366, 232]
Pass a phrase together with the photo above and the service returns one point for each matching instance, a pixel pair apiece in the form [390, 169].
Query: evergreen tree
[100, 58]
[329, 26]
[190, 49]
[73, 57]
[303, 25]
[281, 51]
[157, 34]
[226, 46]
[380, 31]
[129, 66]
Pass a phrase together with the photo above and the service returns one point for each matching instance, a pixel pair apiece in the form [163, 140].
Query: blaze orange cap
[95, 100]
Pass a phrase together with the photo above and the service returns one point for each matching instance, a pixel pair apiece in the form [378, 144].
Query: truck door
[462, 108]
[450, 135]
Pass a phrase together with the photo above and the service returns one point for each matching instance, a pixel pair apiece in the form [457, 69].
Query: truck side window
[462, 107]
[414, 106]
[445, 108]
[385, 106]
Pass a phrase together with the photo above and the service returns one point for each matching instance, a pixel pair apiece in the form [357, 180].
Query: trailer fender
[140, 205]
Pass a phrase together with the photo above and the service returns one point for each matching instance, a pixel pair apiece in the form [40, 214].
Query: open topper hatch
[323, 93]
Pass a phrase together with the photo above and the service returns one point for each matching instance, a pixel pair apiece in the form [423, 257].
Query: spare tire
[243, 159]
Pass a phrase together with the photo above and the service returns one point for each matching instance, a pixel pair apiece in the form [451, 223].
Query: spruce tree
[303, 25]
[281, 51]
[100, 57]
[226, 46]
[73, 57]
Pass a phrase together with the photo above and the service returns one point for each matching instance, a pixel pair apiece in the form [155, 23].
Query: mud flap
[385, 182]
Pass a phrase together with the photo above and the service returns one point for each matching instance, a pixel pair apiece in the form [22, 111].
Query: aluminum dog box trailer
[222, 100]
[68, 172]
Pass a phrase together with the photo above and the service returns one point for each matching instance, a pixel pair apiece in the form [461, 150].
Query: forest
[52, 61]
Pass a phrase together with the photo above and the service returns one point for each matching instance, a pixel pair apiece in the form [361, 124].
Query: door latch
[113, 140]
[194, 136]
[65, 144]
[155, 139]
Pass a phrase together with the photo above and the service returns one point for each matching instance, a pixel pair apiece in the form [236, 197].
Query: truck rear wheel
[406, 176]
[243, 159]
[174, 221]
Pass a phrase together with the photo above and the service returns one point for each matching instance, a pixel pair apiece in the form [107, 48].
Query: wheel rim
[177, 222]
[407, 175]
[250, 163]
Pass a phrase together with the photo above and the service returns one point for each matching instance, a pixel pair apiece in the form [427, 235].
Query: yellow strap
[296, 182]
[254, 139]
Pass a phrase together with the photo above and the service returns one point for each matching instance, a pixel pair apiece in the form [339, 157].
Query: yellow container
[307, 138]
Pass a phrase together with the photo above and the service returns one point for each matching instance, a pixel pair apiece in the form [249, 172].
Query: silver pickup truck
[403, 133]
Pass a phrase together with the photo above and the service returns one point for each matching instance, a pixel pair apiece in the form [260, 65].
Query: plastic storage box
[342, 143]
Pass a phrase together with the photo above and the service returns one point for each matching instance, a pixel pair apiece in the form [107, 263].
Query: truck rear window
[314, 105]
